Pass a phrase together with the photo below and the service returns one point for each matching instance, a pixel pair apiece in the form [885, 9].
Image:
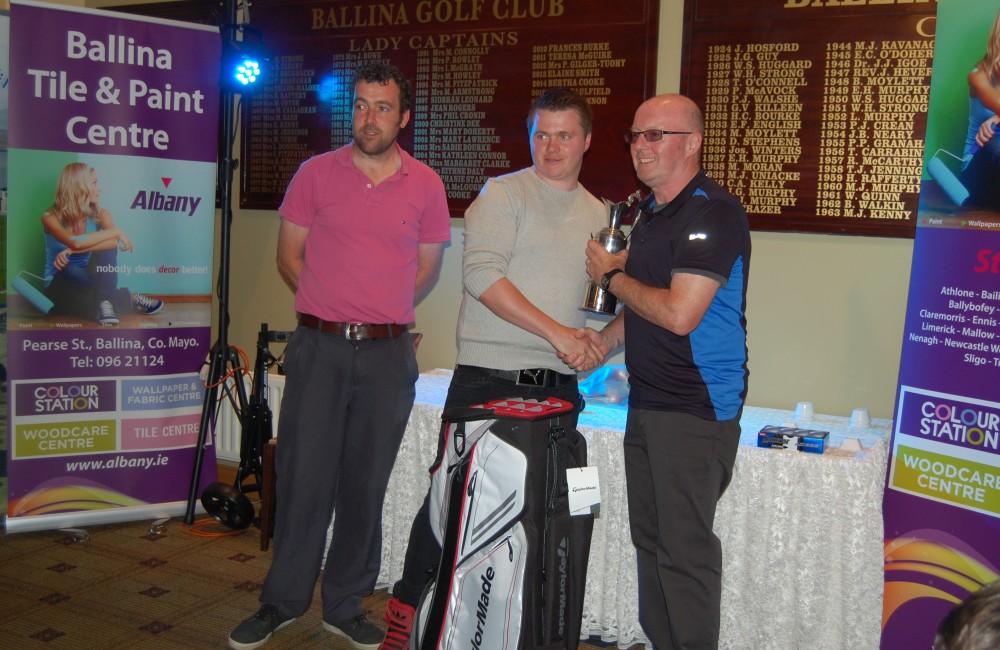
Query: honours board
[476, 65]
[815, 110]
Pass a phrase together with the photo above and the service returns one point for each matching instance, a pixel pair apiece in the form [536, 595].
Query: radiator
[229, 433]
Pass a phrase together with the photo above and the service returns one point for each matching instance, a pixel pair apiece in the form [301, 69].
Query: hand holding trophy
[595, 299]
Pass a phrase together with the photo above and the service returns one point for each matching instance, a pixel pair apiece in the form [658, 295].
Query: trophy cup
[595, 299]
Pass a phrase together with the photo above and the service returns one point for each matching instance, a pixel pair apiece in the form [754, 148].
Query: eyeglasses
[652, 135]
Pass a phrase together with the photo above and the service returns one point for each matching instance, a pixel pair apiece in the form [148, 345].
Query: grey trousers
[676, 468]
[343, 415]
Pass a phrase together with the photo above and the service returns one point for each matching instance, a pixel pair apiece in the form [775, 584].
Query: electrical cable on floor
[197, 529]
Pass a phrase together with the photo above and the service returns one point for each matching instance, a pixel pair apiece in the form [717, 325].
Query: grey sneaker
[359, 631]
[106, 315]
[258, 629]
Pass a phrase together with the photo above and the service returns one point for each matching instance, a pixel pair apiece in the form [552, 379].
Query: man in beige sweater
[523, 275]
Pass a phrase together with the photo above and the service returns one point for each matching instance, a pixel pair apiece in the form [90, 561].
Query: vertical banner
[113, 146]
[942, 497]
[4, 83]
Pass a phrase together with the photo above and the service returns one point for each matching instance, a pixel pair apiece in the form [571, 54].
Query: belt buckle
[531, 377]
[351, 331]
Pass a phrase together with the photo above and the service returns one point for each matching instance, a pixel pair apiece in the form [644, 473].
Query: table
[801, 533]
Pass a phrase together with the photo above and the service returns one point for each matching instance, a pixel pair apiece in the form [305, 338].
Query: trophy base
[599, 301]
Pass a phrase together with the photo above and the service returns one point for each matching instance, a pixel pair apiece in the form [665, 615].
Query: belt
[353, 331]
[543, 377]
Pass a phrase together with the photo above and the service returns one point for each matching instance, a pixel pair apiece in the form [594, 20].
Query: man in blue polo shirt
[683, 284]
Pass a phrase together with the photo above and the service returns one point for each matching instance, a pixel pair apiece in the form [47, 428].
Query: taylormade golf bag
[514, 562]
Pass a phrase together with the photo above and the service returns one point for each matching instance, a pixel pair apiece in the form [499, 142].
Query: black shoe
[258, 629]
[359, 631]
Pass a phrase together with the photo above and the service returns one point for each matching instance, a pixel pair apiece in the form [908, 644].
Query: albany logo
[157, 201]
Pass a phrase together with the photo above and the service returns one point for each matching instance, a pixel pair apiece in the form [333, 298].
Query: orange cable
[196, 529]
[242, 369]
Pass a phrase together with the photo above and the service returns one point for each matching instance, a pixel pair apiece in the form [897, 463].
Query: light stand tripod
[223, 359]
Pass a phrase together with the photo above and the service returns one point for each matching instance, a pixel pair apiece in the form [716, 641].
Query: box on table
[808, 440]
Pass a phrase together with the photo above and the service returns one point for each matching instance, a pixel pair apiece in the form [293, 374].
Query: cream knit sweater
[535, 235]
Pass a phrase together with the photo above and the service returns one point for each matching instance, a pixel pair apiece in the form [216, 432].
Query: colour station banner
[942, 497]
[112, 150]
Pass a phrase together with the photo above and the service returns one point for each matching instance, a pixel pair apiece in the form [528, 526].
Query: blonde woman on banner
[81, 253]
[981, 166]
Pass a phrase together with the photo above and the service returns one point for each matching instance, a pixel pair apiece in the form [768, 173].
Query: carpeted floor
[126, 587]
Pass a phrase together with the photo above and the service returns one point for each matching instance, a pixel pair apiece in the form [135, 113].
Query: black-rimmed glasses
[652, 135]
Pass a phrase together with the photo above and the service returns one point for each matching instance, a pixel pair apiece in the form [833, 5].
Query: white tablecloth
[801, 533]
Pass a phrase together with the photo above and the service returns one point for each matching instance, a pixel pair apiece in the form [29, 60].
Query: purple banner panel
[954, 308]
[113, 84]
[103, 480]
[106, 397]
[73, 442]
[108, 352]
[941, 505]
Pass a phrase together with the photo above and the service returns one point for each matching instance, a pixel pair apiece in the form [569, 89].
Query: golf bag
[513, 562]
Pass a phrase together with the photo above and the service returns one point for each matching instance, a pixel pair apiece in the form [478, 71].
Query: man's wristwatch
[606, 278]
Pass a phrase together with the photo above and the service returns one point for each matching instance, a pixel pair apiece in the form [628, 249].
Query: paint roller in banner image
[946, 179]
[30, 293]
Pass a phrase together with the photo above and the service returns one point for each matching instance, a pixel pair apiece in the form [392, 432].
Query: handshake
[584, 349]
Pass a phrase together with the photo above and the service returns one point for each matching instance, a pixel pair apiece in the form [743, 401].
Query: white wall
[825, 312]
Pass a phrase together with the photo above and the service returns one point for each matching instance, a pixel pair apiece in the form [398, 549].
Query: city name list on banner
[815, 112]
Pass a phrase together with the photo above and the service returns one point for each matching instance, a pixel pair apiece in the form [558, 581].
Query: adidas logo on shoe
[399, 618]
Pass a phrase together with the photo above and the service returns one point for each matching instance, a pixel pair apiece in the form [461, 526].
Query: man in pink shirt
[362, 234]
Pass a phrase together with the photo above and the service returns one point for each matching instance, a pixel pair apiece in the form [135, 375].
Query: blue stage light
[248, 71]
[244, 62]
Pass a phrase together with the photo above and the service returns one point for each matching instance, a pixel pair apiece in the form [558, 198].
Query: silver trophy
[595, 299]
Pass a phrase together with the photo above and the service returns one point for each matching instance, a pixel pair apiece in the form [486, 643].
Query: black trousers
[343, 415]
[676, 468]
